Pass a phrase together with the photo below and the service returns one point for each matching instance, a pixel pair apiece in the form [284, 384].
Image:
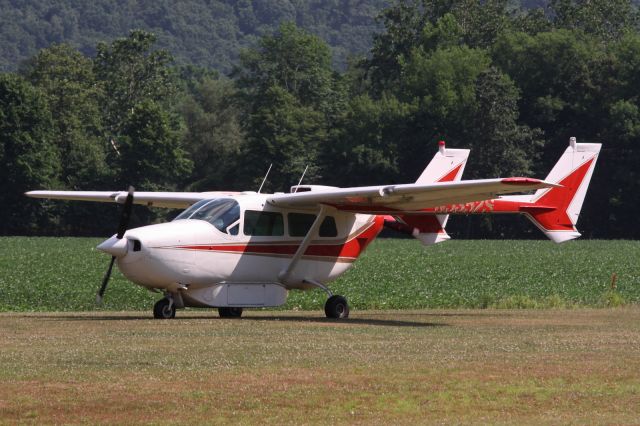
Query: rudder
[555, 211]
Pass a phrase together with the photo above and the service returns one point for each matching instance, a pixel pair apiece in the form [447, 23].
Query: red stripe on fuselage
[350, 249]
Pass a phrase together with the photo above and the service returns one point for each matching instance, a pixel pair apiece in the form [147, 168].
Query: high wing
[389, 199]
[383, 199]
[178, 200]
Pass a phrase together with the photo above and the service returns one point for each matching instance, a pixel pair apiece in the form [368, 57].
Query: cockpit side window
[221, 213]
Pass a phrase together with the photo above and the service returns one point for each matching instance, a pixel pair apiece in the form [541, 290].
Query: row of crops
[63, 274]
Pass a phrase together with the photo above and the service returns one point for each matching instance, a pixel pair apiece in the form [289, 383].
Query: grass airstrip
[408, 354]
[557, 366]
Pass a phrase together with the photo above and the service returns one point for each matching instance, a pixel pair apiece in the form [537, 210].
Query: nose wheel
[336, 307]
[164, 309]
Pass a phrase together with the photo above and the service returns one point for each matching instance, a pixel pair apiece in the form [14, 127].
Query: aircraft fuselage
[204, 255]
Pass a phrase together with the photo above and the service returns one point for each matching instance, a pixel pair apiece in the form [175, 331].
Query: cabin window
[300, 223]
[223, 213]
[263, 224]
[328, 227]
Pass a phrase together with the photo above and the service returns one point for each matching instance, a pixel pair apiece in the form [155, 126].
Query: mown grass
[48, 274]
[577, 366]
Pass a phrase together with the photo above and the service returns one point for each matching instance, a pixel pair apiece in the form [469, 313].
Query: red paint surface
[349, 250]
[520, 181]
[451, 176]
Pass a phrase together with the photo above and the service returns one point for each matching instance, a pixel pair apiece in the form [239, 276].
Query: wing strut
[284, 275]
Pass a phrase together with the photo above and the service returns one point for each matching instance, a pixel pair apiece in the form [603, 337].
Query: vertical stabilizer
[555, 210]
[447, 165]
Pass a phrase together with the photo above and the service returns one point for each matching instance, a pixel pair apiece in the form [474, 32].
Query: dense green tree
[293, 60]
[131, 72]
[430, 25]
[286, 134]
[501, 145]
[557, 74]
[152, 157]
[66, 77]
[617, 193]
[510, 84]
[208, 33]
[364, 147]
[138, 85]
[442, 86]
[607, 19]
[403, 25]
[28, 159]
[214, 135]
[291, 96]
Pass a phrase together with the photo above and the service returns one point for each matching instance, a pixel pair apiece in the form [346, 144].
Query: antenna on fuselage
[301, 177]
[265, 178]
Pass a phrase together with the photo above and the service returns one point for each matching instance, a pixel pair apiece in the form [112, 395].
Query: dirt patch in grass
[556, 366]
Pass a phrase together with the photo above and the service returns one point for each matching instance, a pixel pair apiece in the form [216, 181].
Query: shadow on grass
[289, 319]
[348, 321]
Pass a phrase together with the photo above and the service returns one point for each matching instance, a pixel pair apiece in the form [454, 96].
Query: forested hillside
[207, 33]
[512, 85]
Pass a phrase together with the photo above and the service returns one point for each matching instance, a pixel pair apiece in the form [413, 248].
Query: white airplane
[235, 250]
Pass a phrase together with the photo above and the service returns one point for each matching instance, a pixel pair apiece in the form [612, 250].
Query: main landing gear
[164, 309]
[336, 307]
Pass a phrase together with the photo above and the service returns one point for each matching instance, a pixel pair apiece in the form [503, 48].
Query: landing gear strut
[229, 312]
[164, 309]
[336, 307]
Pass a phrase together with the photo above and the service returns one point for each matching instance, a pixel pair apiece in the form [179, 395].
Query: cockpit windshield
[223, 213]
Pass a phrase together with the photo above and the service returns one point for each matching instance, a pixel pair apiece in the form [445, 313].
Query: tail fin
[555, 211]
[447, 165]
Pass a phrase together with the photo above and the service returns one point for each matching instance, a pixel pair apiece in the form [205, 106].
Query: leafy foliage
[289, 93]
[511, 84]
[202, 32]
[28, 158]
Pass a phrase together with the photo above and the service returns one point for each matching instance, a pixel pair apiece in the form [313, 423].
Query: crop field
[63, 274]
[554, 366]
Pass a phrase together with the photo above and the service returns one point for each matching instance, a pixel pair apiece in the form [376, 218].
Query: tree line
[207, 33]
[511, 84]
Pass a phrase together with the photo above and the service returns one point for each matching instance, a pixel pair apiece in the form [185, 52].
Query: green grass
[50, 274]
[576, 366]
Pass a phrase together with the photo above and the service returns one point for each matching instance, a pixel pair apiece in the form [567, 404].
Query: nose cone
[114, 246]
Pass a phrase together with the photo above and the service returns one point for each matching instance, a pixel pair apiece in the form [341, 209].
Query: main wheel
[164, 309]
[229, 312]
[336, 307]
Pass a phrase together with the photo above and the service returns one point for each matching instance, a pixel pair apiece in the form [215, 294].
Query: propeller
[122, 228]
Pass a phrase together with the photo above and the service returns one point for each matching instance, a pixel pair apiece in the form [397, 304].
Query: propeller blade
[105, 281]
[122, 228]
[126, 213]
